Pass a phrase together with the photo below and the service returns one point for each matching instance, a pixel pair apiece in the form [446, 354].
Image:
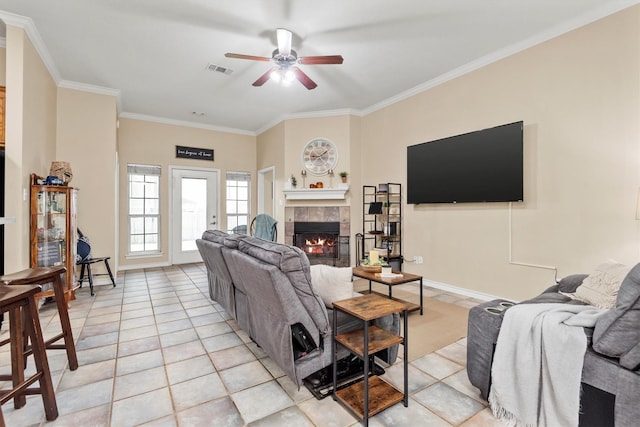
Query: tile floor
[155, 351]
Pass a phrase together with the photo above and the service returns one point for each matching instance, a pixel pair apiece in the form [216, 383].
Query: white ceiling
[156, 52]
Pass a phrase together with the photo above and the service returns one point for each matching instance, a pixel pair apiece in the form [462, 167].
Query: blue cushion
[83, 249]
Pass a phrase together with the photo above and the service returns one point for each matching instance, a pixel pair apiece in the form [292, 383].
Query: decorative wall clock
[320, 156]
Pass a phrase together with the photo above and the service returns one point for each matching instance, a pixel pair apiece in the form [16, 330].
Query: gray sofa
[266, 287]
[611, 370]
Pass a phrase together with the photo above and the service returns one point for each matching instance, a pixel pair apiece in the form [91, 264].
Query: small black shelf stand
[382, 222]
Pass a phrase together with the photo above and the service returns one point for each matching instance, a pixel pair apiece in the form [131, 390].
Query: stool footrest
[56, 347]
[48, 343]
[21, 388]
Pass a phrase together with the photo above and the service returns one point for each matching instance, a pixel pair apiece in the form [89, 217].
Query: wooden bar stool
[40, 276]
[21, 304]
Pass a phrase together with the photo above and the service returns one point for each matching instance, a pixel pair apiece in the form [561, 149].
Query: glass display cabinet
[53, 230]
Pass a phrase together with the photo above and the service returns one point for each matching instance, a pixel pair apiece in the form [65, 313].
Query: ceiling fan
[285, 59]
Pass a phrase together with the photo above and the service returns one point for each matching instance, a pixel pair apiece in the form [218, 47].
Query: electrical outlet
[418, 259]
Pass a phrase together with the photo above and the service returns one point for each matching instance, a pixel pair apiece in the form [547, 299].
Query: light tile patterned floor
[155, 351]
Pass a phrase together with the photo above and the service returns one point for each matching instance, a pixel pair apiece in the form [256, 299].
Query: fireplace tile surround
[341, 214]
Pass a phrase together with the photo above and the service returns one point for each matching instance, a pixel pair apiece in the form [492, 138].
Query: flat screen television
[480, 166]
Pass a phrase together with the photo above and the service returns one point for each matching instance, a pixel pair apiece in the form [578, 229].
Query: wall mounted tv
[480, 166]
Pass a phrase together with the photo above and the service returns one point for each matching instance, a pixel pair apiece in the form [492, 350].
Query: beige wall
[31, 134]
[3, 65]
[153, 143]
[270, 150]
[299, 132]
[86, 138]
[579, 97]
[355, 170]
[282, 145]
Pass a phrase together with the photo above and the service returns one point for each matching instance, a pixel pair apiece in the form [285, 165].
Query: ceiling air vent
[219, 69]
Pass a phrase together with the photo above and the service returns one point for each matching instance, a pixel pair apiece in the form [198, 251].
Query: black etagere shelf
[382, 222]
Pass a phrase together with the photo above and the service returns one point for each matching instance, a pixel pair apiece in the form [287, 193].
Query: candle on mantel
[373, 257]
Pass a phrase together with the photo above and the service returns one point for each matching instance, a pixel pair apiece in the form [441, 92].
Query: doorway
[194, 209]
[266, 193]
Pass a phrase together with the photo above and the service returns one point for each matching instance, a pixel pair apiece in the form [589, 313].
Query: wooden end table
[390, 282]
[371, 395]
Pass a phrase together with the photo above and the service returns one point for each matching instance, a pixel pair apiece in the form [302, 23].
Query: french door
[194, 209]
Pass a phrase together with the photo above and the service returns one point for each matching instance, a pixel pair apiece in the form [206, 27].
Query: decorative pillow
[617, 333]
[571, 283]
[83, 249]
[332, 283]
[600, 288]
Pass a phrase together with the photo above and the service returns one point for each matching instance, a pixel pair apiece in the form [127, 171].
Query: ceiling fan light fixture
[285, 59]
[286, 76]
[276, 76]
[289, 76]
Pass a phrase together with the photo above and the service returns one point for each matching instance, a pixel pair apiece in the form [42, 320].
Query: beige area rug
[441, 324]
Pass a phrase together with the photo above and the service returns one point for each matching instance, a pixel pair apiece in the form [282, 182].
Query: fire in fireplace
[318, 240]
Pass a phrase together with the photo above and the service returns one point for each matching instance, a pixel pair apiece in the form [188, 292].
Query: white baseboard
[461, 291]
[143, 266]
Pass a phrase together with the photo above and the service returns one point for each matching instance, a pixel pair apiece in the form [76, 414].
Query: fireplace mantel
[317, 193]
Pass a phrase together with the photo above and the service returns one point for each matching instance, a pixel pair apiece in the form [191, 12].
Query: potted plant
[343, 176]
[294, 181]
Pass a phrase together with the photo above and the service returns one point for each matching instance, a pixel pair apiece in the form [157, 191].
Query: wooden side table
[390, 282]
[372, 394]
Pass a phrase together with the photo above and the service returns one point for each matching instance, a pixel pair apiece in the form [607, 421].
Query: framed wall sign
[194, 153]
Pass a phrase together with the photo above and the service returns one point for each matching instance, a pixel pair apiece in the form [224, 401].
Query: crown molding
[184, 123]
[309, 115]
[30, 29]
[573, 24]
[325, 113]
[101, 90]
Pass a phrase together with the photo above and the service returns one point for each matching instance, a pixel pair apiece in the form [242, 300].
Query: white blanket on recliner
[537, 365]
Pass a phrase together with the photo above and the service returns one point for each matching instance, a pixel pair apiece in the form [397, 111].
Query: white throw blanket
[537, 365]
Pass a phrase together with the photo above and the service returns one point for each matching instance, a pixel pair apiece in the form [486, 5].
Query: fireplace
[320, 220]
[321, 241]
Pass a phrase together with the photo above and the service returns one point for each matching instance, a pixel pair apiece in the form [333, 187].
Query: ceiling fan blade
[250, 57]
[314, 60]
[304, 79]
[284, 41]
[263, 78]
